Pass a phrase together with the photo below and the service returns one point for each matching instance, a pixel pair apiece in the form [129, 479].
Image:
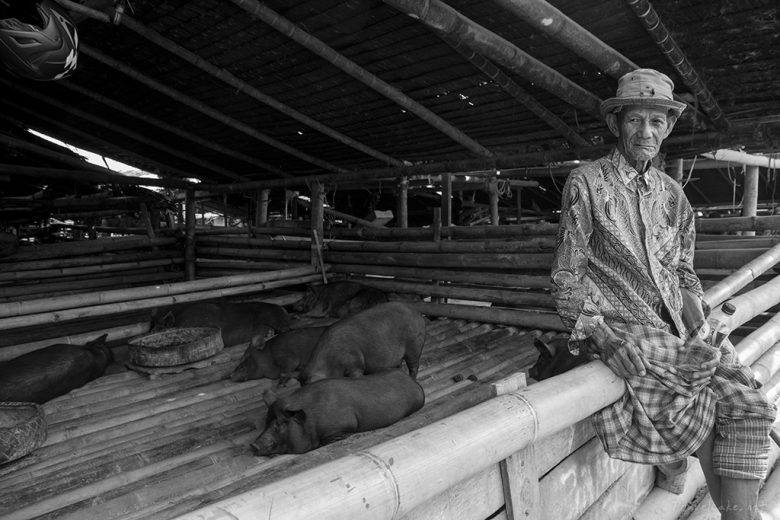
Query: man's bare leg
[704, 453]
[739, 498]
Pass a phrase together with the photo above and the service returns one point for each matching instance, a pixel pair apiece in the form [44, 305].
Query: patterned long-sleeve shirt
[624, 250]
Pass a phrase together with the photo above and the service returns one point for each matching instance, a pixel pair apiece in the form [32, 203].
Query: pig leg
[413, 364]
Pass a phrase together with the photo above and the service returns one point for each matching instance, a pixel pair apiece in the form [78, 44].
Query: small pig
[370, 341]
[328, 410]
[338, 299]
[239, 322]
[554, 358]
[282, 355]
[43, 374]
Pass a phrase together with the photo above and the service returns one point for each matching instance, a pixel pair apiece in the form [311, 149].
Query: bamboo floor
[131, 446]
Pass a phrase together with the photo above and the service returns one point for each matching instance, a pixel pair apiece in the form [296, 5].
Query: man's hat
[643, 87]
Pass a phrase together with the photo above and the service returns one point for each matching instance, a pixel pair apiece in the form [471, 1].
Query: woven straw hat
[643, 87]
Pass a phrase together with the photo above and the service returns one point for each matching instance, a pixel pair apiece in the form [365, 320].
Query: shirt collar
[626, 171]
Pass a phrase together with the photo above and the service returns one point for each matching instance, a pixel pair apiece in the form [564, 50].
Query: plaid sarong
[663, 417]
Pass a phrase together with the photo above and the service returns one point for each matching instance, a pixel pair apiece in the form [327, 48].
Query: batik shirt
[625, 248]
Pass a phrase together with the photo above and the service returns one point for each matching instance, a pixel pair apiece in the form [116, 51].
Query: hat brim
[608, 106]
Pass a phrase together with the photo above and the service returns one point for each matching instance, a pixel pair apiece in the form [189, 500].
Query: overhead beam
[120, 130]
[663, 38]
[318, 47]
[444, 19]
[153, 121]
[86, 175]
[203, 108]
[516, 91]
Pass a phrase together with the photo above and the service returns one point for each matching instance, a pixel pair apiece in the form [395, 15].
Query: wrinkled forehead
[646, 112]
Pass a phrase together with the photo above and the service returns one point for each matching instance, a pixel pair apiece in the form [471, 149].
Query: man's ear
[612, 123]
[671, 120]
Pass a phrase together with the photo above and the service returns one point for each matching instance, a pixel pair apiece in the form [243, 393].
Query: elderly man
[624, 283]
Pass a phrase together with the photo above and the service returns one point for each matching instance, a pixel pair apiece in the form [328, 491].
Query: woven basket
[175, 346]
[22, 429]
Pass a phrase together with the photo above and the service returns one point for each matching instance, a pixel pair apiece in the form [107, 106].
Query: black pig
[282, 355]
[239, 322]
[554, 358]
[371, 341]
[338, 299]
[43, 374]
[328, 410]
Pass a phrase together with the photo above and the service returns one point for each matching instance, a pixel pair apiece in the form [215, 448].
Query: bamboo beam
[262, 218]
[96, 269]
[734, 156]
[173, 129]
[86, 175]
[50, 288]
[341, 215]
[321, 49]
[446, 199]
[475, 260]
[533, 245]
[148, 303]
[415, 273]
[136, 136]
[525, 319]
[750, 195]
[665, 41]
[102, 245]
[748, 305]
[189, 236]
[729, 285]
[203, 108]
[516, 91]
[493, 196]
[444, 19]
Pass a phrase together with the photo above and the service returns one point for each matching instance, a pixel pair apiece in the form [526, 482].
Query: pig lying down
[371, 341]
[282, 356]
[42, 375]
[338, 299]
[240, 322]
[554, 358]
[327, 410]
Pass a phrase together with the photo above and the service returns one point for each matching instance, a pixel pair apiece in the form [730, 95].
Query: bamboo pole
[523, 261]
[12, 293]
[124, 295]
[189, 236]
[102, 310]
[496, 296]
[741, 277]
[484, 278]
[102, 245]
[731, 224]
[96, 269]
[532, 245]
[403, 203]
[239, 253]
[493, 197]
[248, 242]
[526, 319]
[755, 344]
[81, 261]
[748, 305]
[262, 218]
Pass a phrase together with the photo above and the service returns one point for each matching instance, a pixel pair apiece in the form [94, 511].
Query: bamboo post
[519, 204]
[317, 223]
[189, 236]
[678, 170]
[719, 292]
[225, 210]
[446, 199]
[403, 206]
[436, 224]
[750, 195]
[262, 218]
[493, 197]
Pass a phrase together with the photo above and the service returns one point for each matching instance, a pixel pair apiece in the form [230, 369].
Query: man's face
[640, 131]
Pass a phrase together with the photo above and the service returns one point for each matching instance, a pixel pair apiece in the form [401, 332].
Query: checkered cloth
[663, 417]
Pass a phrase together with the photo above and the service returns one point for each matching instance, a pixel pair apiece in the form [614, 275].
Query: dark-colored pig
[554, 358]
[338, 299]
[240, 322]
[370, 341]
[328, 410]
[43, 374]
[282, 355]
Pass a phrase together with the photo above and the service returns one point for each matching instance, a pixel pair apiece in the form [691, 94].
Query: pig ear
[298, 416]
[269, 397]
[543, 348]
[98, 341]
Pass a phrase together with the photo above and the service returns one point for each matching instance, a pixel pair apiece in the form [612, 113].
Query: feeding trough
[22, 429]
[175, 346]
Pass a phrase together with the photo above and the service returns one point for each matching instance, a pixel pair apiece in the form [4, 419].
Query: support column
[519, 204]
[493, 197]
[403, 203]
[262, 207]
[189, 236]
[317, 226]
[446, 199]
[678, 171]
[750, 197]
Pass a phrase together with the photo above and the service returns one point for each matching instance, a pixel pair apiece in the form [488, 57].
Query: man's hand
[623, 358]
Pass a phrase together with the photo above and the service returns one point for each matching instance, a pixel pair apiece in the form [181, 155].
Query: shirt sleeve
[571, 285]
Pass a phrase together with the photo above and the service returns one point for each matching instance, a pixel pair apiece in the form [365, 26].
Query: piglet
[327, 410]
[371, 341]
[282, 355]
[554, 358]
[43, 374]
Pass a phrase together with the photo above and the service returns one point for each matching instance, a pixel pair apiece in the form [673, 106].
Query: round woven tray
[175, 346]
[22, 429]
